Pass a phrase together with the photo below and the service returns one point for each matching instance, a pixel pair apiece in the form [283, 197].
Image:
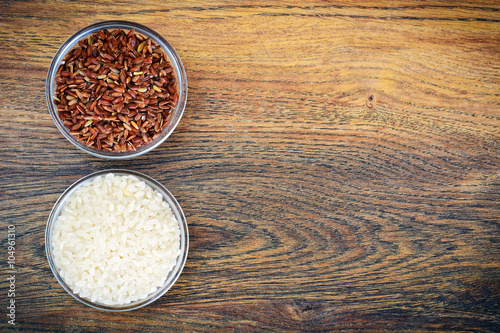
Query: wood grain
[338, 164]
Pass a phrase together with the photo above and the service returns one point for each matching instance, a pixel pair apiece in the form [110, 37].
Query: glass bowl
[170, 55]
[171, 276]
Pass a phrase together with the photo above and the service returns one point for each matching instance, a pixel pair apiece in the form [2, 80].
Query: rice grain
[115, 240]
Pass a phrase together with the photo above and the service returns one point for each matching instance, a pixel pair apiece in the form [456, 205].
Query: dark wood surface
[338, 164]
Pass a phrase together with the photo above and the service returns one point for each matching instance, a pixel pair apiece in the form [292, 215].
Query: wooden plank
[338, 165]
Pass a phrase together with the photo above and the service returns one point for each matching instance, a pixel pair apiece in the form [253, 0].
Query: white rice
[115, 240]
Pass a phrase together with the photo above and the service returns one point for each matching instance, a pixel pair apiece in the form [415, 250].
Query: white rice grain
[115, 240]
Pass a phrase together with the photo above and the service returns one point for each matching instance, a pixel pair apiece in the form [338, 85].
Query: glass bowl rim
[173, 274]
[172, 56]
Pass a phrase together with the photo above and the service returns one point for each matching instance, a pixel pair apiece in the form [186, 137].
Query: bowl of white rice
[116, 240]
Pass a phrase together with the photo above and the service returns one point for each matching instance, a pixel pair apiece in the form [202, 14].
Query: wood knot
[370, 103]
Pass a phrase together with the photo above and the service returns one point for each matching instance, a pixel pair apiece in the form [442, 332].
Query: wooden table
[338, 165]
